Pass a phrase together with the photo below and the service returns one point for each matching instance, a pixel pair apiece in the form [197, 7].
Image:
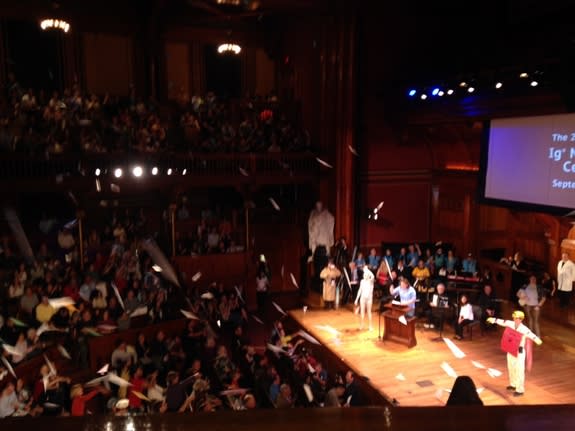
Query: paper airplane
[141, 396]
[207, 295]
[71, 224]
[448, 370]
[400, 377]
[278, 308]
[352, 150]
[189, 315]
[65, 301]
[118, 297]
[98, 186]
[347, 276]
[457, 352]
[257, 319]
[63, 352]
[324, 163]
[239, 294]
[11, 350]
[493, 372]
[402, 320]
[293, 280]
[45, 382]
[233, 392]
[109, 378]
[479, 390]
[329, 329]
[244, 172]
[380, 205]
[107, 328]
[104, 369]
[478, 364]
[156, 268]
[274, 204]
[115, 188]
[308, 392]
[51, 366]
[276, 349]
[310, 368]
[140, 311]
[307, 336]
[3, 374]
[91, 331]
[73, 198]
[18, 322]
[8, 366]
[196, 276]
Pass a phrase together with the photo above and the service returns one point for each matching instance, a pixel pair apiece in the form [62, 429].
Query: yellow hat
[517, 314]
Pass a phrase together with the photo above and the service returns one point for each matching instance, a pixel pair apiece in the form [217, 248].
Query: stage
[415, 377]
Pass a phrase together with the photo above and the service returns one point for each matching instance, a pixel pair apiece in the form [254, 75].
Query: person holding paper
[516, 341]
[407, 295]
[365, 296]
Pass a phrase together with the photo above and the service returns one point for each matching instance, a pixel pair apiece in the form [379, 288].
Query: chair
[477, 312]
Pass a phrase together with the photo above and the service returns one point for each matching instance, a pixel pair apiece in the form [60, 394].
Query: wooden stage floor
[384, 363]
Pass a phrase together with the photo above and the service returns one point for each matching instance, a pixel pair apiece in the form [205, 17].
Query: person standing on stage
[329, 276]
[365, 296]
[565, 279]
[407, 295]
[518, 351]
[531, 298]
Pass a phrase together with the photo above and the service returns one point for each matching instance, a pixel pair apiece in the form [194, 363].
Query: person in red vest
[517, 342]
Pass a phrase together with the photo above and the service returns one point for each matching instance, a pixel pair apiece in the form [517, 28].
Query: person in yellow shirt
[421, 275]
[44, 311]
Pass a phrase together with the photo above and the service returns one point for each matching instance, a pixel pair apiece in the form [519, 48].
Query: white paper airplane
[257, 319]
[493, 372]
[189, 315]
[274, 204]
[107, 328]
[104, 369]
[352, 150]
[51, 366]
[402, 320]
[276, 349]
[118, 297]
[244, 172]
[109, 378]
[478, 364]
[11, 350]
[65, 301]
[98, 186]
[140, 311]
[63, 352]
[324, 163]
[196, 276]
[329, 329]
[448, 370]
[8, 366]
[71, 224]
[310, 368]
[380, 205]
[400, 377]
[293, 280]
[307, 336]
[239, 294]
[457, 352]
[308, 392]
[156, 268]
[207, 295]
[278, 308]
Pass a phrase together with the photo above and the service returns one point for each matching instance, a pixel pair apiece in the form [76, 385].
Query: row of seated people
[208, 367]
[37, 123]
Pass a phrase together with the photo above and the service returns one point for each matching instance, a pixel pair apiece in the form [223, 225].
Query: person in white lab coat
[565, 279]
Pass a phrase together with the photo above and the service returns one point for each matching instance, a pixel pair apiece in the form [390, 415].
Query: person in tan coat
[329, 276]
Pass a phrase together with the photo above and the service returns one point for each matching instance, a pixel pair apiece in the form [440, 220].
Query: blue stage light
[412, 93]
[435, 91]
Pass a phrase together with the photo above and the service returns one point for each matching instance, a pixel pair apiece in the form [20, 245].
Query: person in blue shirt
[469, 264]
[450, 262]
[360, 261]
[407, 295]
[413, 255]
[439, 258]
[389, 257]
[373, 260]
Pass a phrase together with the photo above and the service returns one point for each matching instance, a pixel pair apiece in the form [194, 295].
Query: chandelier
[58, 24]
[226, 48]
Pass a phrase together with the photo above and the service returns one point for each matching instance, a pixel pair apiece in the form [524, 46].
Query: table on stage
[395, 330]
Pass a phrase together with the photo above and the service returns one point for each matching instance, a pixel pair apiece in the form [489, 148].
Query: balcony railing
[17, 166]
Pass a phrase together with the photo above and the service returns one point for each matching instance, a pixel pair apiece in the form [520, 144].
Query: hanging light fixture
[229, 48]
[53, 23]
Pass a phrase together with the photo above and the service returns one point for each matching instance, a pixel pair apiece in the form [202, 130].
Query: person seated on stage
[402, 270]
[413, 255]
[389, 257]
[407, 295]
[421, 275]
[439, 308]
[402, 255]
[429, 261]
[439, 258]
[360, 261]
[451, 263]
[373, 260]
[469, 265]
[465, 317]
[487, 303]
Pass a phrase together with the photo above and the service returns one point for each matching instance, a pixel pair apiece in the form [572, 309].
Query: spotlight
[498, 85]
[154, 170]
[470, 90]
[463, 84]
[375, 217]
[523, 75]
[170, 171]
[441, 93]
[435, 91]
[184, 171]
[423, 96]
[449, 92]
[412, 93]
[118, 172]
[534, 83]
[137, 171]
[98, 172]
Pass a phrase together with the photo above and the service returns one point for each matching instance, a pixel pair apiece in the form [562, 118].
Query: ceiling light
[184, 171]
[449, 92]
[154, 170]
[169, 171]
[423, 96]
[441, 93]
[137, 171]
[227, 48]
[498, 85]
[98, 171]
[470, 90]
[534, 83]
[463, 84]
[118, 172]
[51, 23]
[523, 75]
[412, 93]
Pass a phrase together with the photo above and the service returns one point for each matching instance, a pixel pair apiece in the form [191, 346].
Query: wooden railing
[14, 165]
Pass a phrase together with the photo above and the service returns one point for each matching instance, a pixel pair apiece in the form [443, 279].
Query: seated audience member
[451, 263]
[122, 354]
[464, 318]
[8, 400]
[176, 391]
[373, 260]
[464, 393]
[285, 399]
[28, 302]
[334, 396]
[413, 255]
[360, 261]
[44, 311]
[352, 395]
[469, 265]
[389, 258]
[487, 302]
[439, 258]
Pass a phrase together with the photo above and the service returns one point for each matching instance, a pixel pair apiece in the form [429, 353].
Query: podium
[396, 331]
